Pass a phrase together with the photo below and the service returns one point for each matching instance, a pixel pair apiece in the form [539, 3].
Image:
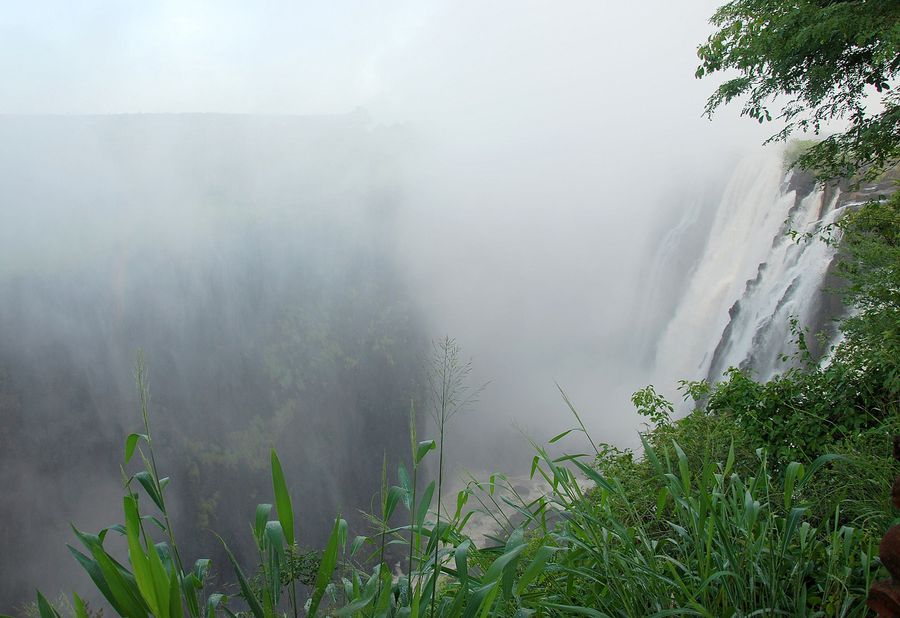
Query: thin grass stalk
[413, 533]
[144, 393]
[383, 525]
[442, 416]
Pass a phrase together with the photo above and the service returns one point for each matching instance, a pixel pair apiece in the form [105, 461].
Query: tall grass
[706, 537]
[715, 544]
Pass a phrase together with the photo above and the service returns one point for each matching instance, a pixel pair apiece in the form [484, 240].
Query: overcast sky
[96, 56]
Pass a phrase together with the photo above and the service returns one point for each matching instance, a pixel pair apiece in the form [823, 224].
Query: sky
[304, 57]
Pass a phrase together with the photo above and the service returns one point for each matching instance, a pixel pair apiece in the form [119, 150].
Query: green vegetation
[818, 62]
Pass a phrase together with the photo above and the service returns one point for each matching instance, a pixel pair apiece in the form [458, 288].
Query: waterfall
[752, 277]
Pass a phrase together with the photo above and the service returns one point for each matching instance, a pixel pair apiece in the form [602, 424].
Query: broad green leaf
[282, 500]
[146, 482]
[661, 498]
[424, 503]
[78, 605]
[213, 602]
[729, 463]
[259, 527]
[480, 597]
[403, 477]
[139, 561]
[44, 608]
[394, 496]
[423, 448]
[93, 570]
[131, 442]
[462, 497]
[126, 592]
[488, 601]
[534, 464]
[326, 568]
[792, 473]
[497, 566]
[462, 568]
[817, 464]
[175, 609]
[275, 538]
[201, 569]
[189, 587]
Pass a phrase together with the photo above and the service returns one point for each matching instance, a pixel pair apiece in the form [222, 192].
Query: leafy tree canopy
[818, 61]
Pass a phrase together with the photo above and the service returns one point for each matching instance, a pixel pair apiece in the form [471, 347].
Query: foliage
[714, 543]
[157, 583]
[871, 239]
[818, 61]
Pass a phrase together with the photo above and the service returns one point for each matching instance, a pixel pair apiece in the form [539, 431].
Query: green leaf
[125, 591]
[498, 565]
[394, 495]
[729, 462]
[131, 442]
[793, 471]
[175, 609]
[790, 527]
[462, 497]
[326, 568]
[423, 448]
[213, 602]
[246, 590]
[560, 436]
[595, 476]
[46, 610]
[143, 574]
[403, 477]
[534, 568]
[201, 569]
[282, 500]
[96, 575]
[424, 503]
[146, 481]
[80, 608]
[259, 526]
[275, 538]
[462, 567]
[817, 464]
[356, 544]
[661, 498]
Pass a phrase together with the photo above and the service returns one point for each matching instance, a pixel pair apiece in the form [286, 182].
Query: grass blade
[282, 500]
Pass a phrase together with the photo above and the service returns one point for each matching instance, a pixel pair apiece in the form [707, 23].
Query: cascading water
[753, 276]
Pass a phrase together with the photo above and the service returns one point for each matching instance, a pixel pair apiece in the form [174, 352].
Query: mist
[283, 204]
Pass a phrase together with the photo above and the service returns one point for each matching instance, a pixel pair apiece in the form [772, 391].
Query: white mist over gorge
[283, 204]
